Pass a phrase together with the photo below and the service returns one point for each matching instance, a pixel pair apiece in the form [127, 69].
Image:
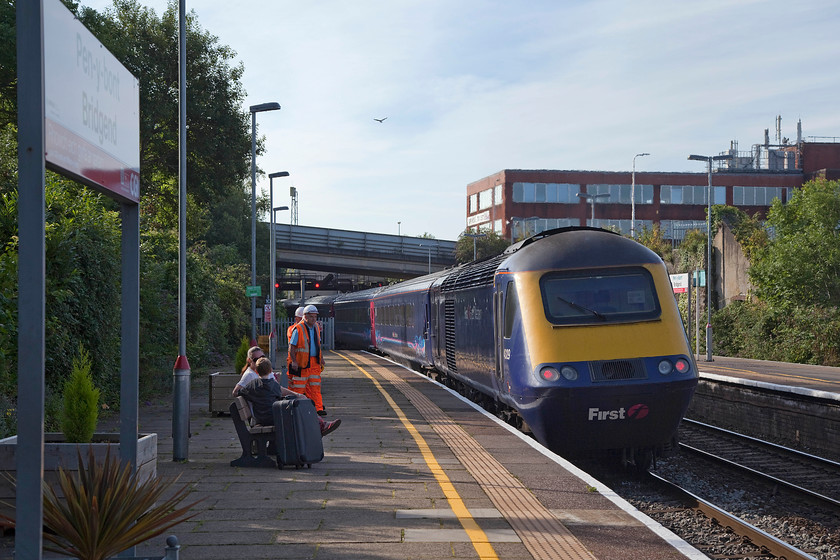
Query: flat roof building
[517, 203]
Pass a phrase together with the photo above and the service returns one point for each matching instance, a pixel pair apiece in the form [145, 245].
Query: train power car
[574, 333]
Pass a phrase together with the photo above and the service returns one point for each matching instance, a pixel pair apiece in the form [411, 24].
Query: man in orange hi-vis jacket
[298, 318]
[306, 361]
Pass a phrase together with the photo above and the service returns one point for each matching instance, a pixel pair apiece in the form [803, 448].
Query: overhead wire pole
[181, 374]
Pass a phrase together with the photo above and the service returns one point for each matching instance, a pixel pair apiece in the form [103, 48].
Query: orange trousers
[308, 384]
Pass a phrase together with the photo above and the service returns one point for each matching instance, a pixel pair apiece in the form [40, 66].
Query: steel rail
[815, 496]
[765, 541]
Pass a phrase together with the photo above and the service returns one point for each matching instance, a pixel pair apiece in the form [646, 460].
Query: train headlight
[683, 366]
[665, 367]
[549, 373]
[569, 373]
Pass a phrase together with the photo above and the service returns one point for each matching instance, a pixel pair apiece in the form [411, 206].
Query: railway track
[812, 477]
[766, 544]
[733, 496]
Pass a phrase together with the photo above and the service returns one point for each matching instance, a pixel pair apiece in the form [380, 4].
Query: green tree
[691, 253]
[81, 401]
[486, 244]
[800, 265]
[654, 239]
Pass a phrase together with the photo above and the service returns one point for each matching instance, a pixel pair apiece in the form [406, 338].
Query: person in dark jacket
[261, 394]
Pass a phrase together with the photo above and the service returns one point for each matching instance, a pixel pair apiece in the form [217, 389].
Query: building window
[550, 193]
[755, 196]
[485, 199]
[620, 194]
[522, 228]
[497, 226]
[497, 195]
[473, 203]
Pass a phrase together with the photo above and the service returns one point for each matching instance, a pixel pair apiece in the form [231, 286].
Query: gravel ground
[803, 525]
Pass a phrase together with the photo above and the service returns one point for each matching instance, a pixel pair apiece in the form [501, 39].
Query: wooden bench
[254, 438]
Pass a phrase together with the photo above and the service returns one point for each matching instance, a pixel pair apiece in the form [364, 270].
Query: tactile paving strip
[545, 537]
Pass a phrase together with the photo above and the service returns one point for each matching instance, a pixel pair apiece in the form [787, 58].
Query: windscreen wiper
[582, 308]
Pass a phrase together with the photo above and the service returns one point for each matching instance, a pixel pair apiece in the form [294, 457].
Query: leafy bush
[241, 355]
[81, 401]
[802, 334]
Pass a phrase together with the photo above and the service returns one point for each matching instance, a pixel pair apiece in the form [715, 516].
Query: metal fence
[283, 324]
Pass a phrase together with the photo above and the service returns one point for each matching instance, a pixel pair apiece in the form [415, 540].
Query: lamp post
[398, 227]
[591, 198]
[262, 107]
[272, 338]
[474, 236]
[633, 197]
[709, 159]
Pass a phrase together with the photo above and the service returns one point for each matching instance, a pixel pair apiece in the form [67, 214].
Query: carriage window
[511, 308]
[597, 296]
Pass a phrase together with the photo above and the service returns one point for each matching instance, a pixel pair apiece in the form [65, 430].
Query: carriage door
[435, 341]
[498, 330]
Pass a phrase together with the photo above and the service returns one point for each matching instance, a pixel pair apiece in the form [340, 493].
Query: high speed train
[573, 334]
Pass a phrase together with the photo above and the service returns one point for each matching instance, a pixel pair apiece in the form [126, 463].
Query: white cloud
[473, 87]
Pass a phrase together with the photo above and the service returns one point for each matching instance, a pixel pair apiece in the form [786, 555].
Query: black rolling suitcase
[298, 433]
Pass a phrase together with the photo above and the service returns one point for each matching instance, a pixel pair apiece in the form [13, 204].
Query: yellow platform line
[477, 536]
[545, 536]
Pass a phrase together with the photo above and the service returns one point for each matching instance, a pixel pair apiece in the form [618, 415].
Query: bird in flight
[380, 120]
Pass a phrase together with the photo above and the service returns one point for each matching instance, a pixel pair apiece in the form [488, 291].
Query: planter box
[221, 385]
[59, 453]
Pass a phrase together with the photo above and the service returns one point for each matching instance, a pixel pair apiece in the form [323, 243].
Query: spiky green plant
[105, 509]
[81, 401]
[241, 354]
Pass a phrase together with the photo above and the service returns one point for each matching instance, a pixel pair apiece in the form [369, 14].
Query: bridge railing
[360, 243]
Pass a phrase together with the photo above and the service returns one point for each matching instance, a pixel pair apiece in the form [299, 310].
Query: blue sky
[471, 87]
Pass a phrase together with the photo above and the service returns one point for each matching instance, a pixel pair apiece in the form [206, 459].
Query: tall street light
[633, 197]
[709, 159]
[272, 336]
[474, 237]
[591, 198]
[262, 107]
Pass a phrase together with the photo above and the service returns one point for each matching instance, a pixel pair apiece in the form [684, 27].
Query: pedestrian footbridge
[358, 252]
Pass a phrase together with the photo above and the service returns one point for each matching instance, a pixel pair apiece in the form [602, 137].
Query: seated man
[262, 392]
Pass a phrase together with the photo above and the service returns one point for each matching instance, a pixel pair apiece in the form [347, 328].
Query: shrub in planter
[104, 509]
[241, 355]
[81, 401]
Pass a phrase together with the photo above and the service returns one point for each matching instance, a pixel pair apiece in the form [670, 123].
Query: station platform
[802, 378]
[414, 472]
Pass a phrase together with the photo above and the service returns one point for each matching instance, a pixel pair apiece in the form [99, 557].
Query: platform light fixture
[633, 197]
[260, 108]
[272, 336]
[591, 198]
[709, 160]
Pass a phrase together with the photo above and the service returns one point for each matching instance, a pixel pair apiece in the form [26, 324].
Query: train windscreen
[599, 296]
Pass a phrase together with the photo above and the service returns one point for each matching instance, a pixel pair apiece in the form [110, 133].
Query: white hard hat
[310, 309]
[299, 312]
